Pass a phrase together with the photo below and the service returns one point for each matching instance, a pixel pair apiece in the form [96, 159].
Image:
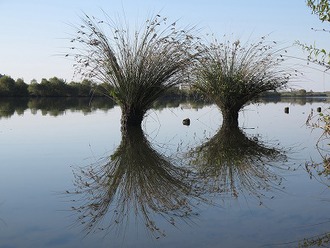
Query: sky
[35, 34]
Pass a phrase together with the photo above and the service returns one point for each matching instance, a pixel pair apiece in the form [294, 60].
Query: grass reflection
[235, 163]
[138, 180]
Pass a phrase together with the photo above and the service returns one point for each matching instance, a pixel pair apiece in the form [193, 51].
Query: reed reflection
[135, 181]
[237, 164]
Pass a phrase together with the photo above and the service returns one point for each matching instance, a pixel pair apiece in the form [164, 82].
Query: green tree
[21, 88]
[7, 86]
[34, 89]
[86, 87]
[102, 89]
[82, 89]
[58, 87]
[302, 92]
[44, 88]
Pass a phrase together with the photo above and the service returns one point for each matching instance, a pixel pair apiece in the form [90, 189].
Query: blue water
[38, 153]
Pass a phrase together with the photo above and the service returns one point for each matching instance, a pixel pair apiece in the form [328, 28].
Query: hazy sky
[34, 33]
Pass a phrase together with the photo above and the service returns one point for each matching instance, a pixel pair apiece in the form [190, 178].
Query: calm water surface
[264, 198]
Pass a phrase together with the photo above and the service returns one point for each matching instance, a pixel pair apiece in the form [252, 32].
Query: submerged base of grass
[131, 118]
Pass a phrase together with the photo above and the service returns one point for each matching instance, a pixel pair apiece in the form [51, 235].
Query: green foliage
[85, 88]
[321, 8]
[21, 88]
[322, 122]
[9, 87]
[317, 55]
[34, 89]
[302, 92]
[140, 65]
[55, 87]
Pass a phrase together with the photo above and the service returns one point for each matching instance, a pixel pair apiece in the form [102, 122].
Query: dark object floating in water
[186, 122]
[286, 110]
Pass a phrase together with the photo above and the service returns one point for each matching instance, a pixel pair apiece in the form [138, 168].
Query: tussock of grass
[232, 74]
[139, 65]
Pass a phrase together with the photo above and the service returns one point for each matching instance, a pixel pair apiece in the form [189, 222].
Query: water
[42, 148]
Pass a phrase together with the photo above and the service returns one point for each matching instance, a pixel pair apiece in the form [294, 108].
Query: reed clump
[232, 74]
[140, 65]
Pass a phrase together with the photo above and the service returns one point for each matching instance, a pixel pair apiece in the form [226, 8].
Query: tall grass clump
[140, 65]
[232, 74]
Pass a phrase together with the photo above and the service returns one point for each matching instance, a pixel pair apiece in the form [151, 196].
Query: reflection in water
[296, 100]
[322, 240]
[321, 172]
[56, 106]
[8, 106]
[53, 106]
[136, 180]
[237, 164]
[320, 122]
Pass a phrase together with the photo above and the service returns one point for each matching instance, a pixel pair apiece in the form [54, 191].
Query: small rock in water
[186, 122]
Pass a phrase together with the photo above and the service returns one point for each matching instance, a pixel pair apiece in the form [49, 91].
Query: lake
[70, 178]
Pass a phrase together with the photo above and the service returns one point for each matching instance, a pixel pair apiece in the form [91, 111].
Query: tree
[21, 88]
[7, 86]
[231, 75]
[140, 65]
[44, 88]
[302, 92]
[58, 87]
[34, 89]
[86, 87]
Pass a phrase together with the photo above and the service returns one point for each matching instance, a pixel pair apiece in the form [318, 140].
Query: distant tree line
[52, 87]
[57, 87]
